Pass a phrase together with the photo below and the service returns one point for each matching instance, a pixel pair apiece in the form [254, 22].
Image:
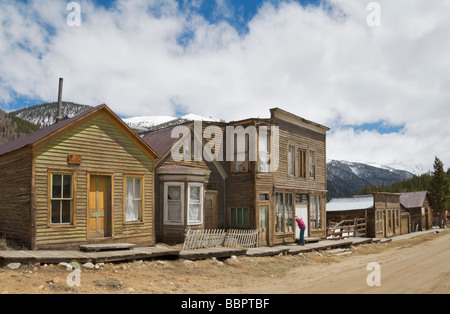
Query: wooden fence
[350, 228]
[241, 238]
[198, 239]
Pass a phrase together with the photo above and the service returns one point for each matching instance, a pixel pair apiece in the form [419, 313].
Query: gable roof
[162, 141]
[413, 199]
[58, 129]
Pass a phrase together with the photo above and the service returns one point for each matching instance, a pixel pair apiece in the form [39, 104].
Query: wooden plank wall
[104, 150]
[15, 197]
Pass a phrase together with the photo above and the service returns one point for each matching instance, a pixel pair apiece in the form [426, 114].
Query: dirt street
[418, 265]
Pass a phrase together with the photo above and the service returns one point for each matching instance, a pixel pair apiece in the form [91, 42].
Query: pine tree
[440, 189]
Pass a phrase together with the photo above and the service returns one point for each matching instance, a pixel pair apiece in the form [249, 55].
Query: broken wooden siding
[16, 197]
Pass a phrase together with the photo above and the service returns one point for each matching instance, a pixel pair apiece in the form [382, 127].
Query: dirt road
[419, 265]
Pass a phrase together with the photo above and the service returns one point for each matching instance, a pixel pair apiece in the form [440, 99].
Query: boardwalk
[142, 253]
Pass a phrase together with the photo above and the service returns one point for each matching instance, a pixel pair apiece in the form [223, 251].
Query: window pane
[289, 220]
[262, 217]
[279, 222]
[56, 212]
[57, 186]
[66, 212]
[174, 193]
[245, 217]
[233, 217]
[194, 212]
[67, 186]
[195, 193]
[239, 217]
[174, 212]
[137, 188]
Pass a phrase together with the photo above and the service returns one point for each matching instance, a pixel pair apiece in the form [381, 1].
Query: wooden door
[210, 205]
[99, 209]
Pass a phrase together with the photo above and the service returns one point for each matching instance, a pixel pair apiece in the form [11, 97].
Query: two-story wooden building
[259, 174]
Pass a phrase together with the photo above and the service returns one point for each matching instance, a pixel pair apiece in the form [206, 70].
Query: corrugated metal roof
[32, 138]
[351, 203]
[413, 199]
[161, 141]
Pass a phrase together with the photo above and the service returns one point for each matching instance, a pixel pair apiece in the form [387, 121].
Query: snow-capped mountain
[44, 115]
[346, 178]
[151, 122]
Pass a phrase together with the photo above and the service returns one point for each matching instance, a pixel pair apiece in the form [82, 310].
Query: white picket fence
[198, 239]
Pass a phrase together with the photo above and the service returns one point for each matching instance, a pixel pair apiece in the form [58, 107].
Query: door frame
[305, 219]
[108, 221]
[215, 207]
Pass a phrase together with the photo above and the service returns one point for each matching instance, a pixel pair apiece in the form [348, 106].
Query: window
[284, 212]
[312, 164]
[302, 163]
[291, 160]
[262, 217]
[195, 204]
[379, 221]
[264, 196]
[316, 212]
[61, 198]
[174, 203]
[239, 217]
[263, 152]
[133, 199]
[241, 156]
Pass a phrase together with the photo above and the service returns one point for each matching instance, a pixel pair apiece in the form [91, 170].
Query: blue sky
[382, 89]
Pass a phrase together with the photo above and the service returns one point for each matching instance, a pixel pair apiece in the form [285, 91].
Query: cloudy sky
[384, 89]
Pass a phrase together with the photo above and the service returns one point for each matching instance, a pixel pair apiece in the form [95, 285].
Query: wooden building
[261, 173]
[88, 179]
[190, 193]
[381, 211]
[418, 205]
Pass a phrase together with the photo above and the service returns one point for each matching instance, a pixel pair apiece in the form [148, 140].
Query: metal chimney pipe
[60, 91]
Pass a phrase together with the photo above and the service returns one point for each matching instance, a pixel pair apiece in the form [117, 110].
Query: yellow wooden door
[210, 204]
[99, 206]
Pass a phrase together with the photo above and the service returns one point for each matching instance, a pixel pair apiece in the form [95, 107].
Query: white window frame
[166, 203]
[133, 199]
[191, 221]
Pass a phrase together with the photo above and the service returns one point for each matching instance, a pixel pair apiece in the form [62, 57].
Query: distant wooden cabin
[241, 191]
[381, 211]
[88, 179]
[418, 205]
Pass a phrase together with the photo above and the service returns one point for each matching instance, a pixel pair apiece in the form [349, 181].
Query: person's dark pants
[301, 241]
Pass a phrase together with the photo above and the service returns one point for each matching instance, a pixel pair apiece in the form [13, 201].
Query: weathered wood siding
[16, 196]
[104, 149]
[214, 182]
[389, 205]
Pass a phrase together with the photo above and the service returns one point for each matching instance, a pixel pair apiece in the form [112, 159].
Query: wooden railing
[350, 228]
[198, 239]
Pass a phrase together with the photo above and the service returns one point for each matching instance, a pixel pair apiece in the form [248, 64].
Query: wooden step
[107, 247]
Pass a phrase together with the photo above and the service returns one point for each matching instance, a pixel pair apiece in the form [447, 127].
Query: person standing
[301, 224]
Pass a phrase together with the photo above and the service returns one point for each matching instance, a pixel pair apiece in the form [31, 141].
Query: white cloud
[323, 63]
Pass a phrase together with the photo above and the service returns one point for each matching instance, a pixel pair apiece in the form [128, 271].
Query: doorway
[99, 207]
[210, 209]
[301, 211]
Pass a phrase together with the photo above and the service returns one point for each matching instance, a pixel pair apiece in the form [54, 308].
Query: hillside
[12, 127]
[44, 115]
[345, 178]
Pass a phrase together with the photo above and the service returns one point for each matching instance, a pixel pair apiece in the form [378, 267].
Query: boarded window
[302, 163]
[133, 199]
[239, 217]
[62, 198]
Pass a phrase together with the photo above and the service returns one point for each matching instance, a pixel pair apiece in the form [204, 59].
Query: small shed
[87, 179]
[418, 205]
[381, 211]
